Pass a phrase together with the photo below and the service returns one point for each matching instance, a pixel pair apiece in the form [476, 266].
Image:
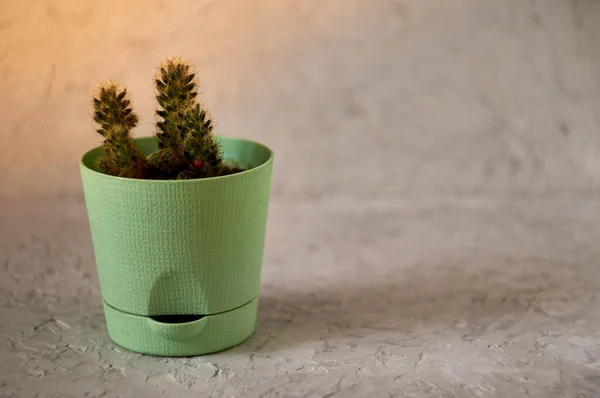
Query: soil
[230, 170]
[154, 174]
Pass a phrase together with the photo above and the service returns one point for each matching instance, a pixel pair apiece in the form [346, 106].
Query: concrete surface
[455, 299]
[401, 97]
[434, 219]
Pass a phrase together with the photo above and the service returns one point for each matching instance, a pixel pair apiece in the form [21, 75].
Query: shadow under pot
[179, 261]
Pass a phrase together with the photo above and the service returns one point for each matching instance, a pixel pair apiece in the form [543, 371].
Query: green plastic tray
[206, 335]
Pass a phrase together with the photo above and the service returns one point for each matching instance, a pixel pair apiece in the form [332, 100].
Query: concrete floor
[467, 298]
[435, 206]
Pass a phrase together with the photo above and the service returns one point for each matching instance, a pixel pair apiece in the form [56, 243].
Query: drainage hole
[176, 318]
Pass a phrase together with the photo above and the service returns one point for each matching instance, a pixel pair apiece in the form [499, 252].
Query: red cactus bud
[198, 163]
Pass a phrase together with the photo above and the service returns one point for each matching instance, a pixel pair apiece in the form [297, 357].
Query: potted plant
[177, 221]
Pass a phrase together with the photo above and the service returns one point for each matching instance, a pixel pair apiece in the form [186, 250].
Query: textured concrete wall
[360, 99]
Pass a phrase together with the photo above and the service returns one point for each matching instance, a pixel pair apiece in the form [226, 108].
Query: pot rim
[87, 169]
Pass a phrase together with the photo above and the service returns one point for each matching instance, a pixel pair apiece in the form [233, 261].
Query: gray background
[433, 219]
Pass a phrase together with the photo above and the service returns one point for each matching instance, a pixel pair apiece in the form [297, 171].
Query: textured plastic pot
[179, 262]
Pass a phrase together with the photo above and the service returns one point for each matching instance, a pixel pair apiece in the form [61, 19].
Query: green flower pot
[179, 261]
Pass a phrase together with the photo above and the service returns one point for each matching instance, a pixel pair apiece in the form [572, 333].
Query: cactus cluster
[187, 147]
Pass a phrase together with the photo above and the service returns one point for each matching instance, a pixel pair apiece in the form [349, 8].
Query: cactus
[186, 146]
[113, 112]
